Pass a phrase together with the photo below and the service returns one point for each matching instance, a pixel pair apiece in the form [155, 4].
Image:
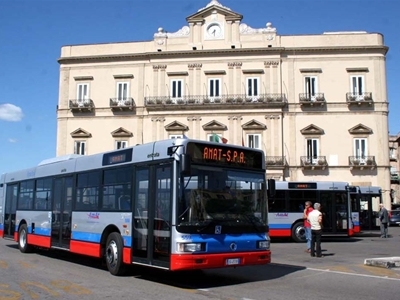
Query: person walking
[315, 219]
[307, 226]
[384, 219]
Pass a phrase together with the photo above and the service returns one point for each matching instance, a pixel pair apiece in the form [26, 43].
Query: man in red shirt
[307, 225]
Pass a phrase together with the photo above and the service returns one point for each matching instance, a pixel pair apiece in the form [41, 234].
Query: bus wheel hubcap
[112, 253]
[22, 238]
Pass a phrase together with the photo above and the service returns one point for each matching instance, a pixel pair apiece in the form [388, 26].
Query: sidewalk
[384, 262]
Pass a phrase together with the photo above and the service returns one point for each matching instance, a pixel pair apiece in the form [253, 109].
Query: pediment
[176, 126]
[212, 6]
[312, 129]
[360, 129]
[214, 125]
[121, 132]
[253, 124]
[80, 133]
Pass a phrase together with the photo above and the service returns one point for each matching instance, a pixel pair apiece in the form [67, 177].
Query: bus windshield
[221, 201]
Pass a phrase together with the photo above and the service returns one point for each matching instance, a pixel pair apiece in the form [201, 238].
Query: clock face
[214, 31]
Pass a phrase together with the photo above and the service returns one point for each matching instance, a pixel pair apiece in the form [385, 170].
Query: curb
[383, 262]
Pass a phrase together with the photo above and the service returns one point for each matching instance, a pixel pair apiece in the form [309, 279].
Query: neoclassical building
[316, 104]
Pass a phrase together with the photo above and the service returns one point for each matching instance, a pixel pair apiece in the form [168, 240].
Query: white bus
[177, 204]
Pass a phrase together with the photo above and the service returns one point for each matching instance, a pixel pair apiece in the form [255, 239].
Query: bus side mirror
[185, 161]
[271, 188]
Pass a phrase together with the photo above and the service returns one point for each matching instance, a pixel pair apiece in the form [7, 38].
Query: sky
[32, 33]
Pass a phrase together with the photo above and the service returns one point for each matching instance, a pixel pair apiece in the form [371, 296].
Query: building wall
[281, 64]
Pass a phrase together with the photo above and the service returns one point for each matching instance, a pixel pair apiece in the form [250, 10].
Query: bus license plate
[233, 261]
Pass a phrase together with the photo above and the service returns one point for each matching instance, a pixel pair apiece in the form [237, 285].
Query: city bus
[177, 204]
[286, 208]
[365, 200]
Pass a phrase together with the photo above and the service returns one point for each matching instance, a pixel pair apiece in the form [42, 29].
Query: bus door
[334, 211]
[152, 216]
[62, 212]
[10, 210]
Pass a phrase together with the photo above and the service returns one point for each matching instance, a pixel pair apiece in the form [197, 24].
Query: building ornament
[214, 2]
[235, 64]
[271, 63]
[272, 116]
[193, 118]
[235, 118]
[245, 29]
[184, 31]
[195, 65]
[158, 119]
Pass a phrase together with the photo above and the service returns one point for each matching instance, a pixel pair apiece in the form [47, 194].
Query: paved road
[293, 274]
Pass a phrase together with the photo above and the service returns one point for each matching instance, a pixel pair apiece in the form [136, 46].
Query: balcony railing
[79, 105]
[275, 162]
[312, 99]
[393, 157]
[122, 104]
[395, 177]
[221, 102]
[314, 162]
[359, 98]
[361, 162]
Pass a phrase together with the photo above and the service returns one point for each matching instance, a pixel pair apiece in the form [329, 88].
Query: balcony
[394, 177]
[221, 102]
[392, 157]
[359, 99]
[275, 162]
[79, 105]
[314, 162]
[361, 162]
[311, 100]
[117, 104]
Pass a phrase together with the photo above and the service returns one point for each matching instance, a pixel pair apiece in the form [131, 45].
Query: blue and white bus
[286, 208]
[176, 204]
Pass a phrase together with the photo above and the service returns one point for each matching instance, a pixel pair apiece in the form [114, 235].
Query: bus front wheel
[113, 253]
[23, 245]
[299, 233]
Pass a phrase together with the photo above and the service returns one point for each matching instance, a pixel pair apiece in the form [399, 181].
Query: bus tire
[23, 245]
[113, 254]
[298, 232]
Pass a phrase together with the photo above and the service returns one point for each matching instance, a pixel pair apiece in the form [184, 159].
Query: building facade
[394, 145]
[316, 104]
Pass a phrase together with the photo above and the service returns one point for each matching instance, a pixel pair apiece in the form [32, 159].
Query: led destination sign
[117, 157]
[225, 155]
[302, 185]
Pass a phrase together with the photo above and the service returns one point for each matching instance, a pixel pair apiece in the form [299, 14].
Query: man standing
[384, 218]
[315, 219]
[307, 225]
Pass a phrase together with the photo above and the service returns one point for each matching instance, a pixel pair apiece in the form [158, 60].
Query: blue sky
[33, 32]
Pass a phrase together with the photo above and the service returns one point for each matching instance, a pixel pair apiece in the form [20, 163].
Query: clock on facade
[214, 30]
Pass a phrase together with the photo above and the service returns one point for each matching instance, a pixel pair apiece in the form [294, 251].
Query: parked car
[394, 217]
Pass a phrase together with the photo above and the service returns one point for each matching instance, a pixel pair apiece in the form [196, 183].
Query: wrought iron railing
[275, 161]
[395, 176]
[313, 161]
[126, 103]
[355, 97]
[362, 161]
[233, 99]
[81, 104]
[311, 98]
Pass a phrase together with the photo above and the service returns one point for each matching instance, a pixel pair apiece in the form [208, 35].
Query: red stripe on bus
[356, 229]
[127, 257]
[280, 232]
[208, 261]
[16, 236]
[1, 233]
[39, 240]
[90, 249]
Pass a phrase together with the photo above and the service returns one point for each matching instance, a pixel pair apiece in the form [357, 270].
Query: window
[87, 191]
[43, 194]
[176, 89]
[252, 87]
[392, 153]
[25, 197]
[121, 144]
[117, 189]
[310, 86]
[176, 136]
[122, 91]
[360, 148]
[214, 87]
[80, 147]
[357, 85]
[82, 93]
[312, 150]
[254, 141]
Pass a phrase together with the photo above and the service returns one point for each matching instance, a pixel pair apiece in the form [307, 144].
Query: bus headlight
[190, 247]
[263, 245]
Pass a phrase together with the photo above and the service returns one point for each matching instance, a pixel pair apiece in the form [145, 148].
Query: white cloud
[10, 112]
[12, 140]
